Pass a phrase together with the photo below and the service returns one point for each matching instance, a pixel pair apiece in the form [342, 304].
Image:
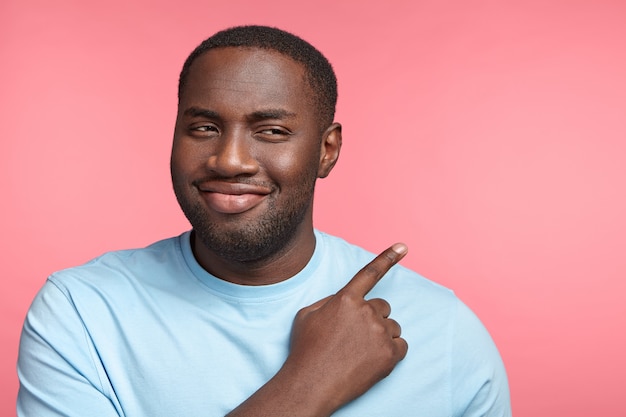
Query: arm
[55, 365]
[479, 382]
[340, 347]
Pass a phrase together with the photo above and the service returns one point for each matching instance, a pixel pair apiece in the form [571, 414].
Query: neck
[277, 267]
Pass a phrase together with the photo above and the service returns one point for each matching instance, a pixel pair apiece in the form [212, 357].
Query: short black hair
[319, 72]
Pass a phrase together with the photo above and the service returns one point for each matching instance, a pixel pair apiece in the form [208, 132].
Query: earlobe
[330, 148]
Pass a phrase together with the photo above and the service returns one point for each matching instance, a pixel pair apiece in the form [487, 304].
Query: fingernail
[400, 248]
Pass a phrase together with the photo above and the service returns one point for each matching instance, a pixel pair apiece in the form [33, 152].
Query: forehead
[249, 75]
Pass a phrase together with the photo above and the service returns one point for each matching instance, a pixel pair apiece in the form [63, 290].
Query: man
[254, 312]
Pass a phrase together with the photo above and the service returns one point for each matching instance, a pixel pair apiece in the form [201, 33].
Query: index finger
[371, 273]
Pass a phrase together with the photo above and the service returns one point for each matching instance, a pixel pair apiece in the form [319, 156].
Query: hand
[340, 347]
[343, 344]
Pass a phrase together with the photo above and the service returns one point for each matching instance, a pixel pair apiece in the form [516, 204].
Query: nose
[233, 155]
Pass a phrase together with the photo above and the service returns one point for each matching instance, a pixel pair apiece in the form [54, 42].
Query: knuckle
[378, 328]
[403, 348]
[382, 307]
[397, 329]
[391, 256]
[343, 296]
[348, 298]
[373, 269]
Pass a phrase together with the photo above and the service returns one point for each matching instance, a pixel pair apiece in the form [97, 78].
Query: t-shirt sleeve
[57, 362]
[479, 385]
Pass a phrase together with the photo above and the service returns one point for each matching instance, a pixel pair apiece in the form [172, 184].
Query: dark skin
[248, 148]
[245, 147]
[323, 370]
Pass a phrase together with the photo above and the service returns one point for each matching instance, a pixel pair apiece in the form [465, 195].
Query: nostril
[233, 157]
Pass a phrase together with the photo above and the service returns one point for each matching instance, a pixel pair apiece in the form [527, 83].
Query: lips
[232, 197]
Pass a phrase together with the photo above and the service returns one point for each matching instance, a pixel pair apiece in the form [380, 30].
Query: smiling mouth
[232, 197]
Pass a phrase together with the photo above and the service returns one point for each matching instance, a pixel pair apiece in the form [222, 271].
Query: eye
[203, 130]
[273, 133]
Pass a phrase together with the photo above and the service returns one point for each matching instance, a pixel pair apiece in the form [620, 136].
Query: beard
[250, 241]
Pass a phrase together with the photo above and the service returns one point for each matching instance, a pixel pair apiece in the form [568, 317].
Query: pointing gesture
[368, 277]
[346, 344]
[340, 347]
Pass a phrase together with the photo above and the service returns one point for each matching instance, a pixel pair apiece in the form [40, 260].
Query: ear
[330, 148]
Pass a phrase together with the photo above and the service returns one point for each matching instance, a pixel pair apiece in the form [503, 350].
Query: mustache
[234, 180]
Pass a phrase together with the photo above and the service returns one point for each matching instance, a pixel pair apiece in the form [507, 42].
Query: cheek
[292, 166]
[185, 158]
[177, 163]
[285, 163]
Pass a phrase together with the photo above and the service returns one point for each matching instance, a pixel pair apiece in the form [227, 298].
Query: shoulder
[446, 339]
[107, 290]
[115, 281]
[399, 283]
[126, 265]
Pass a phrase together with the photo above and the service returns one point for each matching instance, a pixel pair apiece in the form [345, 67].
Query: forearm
[287, 394]
[341, 346]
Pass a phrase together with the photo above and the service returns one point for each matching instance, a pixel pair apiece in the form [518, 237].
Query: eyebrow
[198, 112]
[278, 114]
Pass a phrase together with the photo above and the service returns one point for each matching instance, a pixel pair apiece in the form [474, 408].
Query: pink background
[489, 136]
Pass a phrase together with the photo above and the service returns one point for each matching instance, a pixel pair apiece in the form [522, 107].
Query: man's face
[247, 151]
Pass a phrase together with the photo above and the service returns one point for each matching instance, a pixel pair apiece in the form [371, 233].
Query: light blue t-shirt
[149, 332]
